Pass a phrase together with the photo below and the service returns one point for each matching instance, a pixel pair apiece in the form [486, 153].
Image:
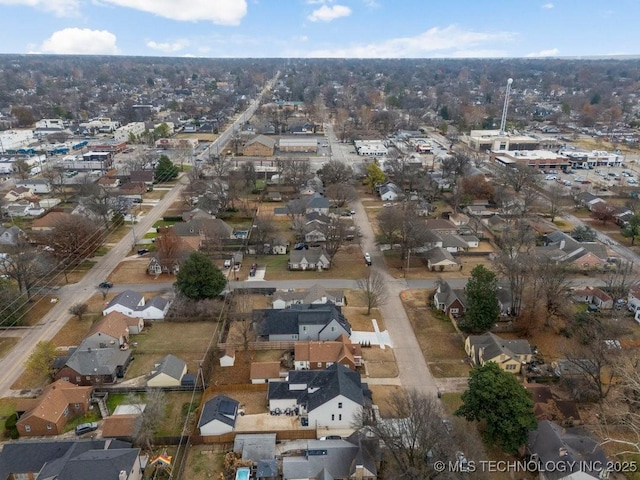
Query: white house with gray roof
[218, 416]
[167, 373]
[329, 398]
[132, 304]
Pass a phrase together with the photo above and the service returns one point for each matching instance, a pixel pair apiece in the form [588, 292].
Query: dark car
[301, 246]
[86, 428]
[105, 285]
[142, 251]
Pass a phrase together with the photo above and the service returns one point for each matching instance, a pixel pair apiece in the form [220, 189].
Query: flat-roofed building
[532, 158]
[298, 144]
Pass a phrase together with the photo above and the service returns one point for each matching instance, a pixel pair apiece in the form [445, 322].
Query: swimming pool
[242, 474]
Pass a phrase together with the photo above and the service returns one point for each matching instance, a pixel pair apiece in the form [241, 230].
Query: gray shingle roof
[221, 408]
[325, 385]
[288, 320]
[324, 460]
[493, 346]
[92, 465]
[128, 298]
[98, 361]
[171, 366]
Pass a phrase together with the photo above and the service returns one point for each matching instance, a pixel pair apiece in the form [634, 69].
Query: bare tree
[241, 330]
[25, 265]
[341, 194]
[519, 176]
[78, 310]
[335, 172]
[151, 416]
[401, 225]
[335, 233]
[414, 437]
[555, 195]
[603, 212]
[619, 280]
[55, 176]
[263, 229]
[374, 288]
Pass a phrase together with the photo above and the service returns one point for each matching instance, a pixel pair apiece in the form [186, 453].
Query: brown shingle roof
[55, 399]
[113, 324]
[121, 426]
[265, 370]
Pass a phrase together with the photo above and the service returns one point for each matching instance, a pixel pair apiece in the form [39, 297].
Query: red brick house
[58, 403]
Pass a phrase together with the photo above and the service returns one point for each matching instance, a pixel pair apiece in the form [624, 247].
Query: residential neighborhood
[220, 277]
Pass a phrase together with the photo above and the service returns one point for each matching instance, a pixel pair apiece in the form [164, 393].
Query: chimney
[359, 472]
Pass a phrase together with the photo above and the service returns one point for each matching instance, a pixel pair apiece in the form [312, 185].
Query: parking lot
[598, 179]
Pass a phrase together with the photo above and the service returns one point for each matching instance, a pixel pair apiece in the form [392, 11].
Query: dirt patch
[238, 373]
[204, 462]
[450, 369]
[380, 363]
[384, 397]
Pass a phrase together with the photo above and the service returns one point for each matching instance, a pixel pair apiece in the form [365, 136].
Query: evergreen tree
[482, 299]
[165, 170]
[505, 407]
[198, 278]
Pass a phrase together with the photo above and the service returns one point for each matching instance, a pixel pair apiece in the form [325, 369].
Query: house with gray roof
[95, 459]
[451, 301]
[203, 227]
[9, 236]
[167, 373]
[329, 398]
[315, 294]
[309, 259]
[260, 449]
[133, 305]
[94, 366]
[562, 248]
[329, 459]
[573, 453]
[218, 416]
[440, 260]
[302, 322]
[510, 355]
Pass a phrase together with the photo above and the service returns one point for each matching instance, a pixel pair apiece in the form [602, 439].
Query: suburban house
[204, 228]
[353, 458]
[132, 304]
[390, 192]
[49, 221]
[309, 259]
[320, 355]
[589, 200]
[452, 243]
[440, 260]
[142, 176]
[441, 225]
[508, 354]
[218, 416]
[264, 372]
[459, 219]
[573, 454]
[547, 406]
[10, 236]
[36, 185]
[94, 366]
[633, 298]
[77, 459]
[450, 300]
[316, 322]
[111, 331]
[304, 205]
[313, 234]
[124, 423]
[593, 296]
[316, 294]
[562, 248]
[167, 373]
[329, 398]
[259, 146]
[260, 450]
[58, 403]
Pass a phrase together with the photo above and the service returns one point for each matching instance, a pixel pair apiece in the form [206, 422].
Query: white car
[632, 181]
[367, 258]
[550, 177]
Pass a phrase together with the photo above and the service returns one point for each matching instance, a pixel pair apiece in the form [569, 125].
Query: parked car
[252, 269]
[367, 259]
[105, 285]
[86, 428]
[301, 246]
[142, 251]
[227, 263]
[331, 437]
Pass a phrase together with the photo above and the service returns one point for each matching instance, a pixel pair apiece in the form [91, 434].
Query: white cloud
[167, 47]
[436, 41]
[61, 8]
[327, 14]
[548, 6]
[552, 52]
[221, 12]
[371, 3]
[81, 41]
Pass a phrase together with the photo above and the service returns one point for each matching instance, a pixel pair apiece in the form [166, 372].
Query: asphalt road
[12, 365]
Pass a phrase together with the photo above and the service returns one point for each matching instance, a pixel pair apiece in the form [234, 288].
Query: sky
[321, 28]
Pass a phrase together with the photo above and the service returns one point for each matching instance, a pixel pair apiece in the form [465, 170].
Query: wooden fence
[258, 346]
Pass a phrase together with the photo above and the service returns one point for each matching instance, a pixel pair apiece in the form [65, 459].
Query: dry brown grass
[135, 271]
[384, 396]
[348, 263]
[30, 380]
[380, 363]
[359, 319]
[204, 462]
[439, 341]
[254, 401]
[39, 307]
[73, 331]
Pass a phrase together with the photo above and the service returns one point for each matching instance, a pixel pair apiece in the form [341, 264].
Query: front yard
[441, 345]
